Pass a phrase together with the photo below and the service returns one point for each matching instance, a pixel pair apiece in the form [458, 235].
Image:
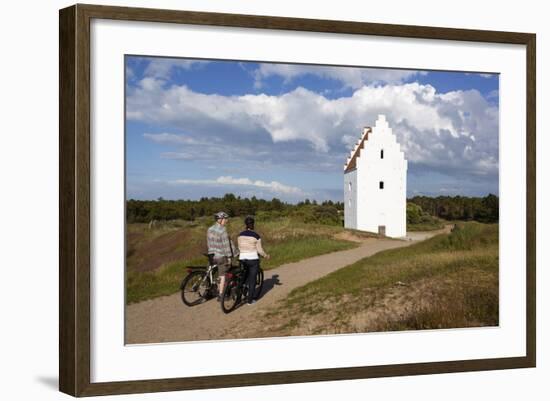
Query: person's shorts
[223, 264]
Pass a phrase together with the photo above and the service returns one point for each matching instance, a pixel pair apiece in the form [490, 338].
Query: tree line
[483, 209]
[309, 211]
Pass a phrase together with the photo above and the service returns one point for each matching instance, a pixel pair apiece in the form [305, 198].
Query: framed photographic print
[329, 199]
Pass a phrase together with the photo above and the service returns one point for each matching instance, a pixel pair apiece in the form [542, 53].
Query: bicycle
[200, 284]
[236, 287]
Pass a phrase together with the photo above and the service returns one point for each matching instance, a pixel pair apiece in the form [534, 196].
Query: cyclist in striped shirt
[250, 248]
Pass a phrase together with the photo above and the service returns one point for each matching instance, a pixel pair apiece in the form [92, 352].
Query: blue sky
[199, 128]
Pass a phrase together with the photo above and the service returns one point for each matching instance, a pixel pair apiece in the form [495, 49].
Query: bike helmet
[221, 215]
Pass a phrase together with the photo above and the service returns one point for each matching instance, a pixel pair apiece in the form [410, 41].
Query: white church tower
[375, 183]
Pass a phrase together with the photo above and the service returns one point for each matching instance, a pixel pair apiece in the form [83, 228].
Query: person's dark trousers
[252, 267]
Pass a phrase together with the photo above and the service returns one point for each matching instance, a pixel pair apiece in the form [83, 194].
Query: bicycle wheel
[194, 288]
[231, 296]
[259, 283]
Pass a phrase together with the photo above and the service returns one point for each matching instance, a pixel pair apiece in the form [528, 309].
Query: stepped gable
[351, 164]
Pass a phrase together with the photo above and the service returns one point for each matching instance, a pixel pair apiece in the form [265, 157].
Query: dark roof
[352, 163]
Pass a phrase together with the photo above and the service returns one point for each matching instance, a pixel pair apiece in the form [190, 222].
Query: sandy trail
[167, 319]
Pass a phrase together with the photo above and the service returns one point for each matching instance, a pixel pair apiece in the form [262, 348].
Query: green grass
[427, 226]
[303, 248]
[141, 286]
[437, 255]
[285, 239]
[446, 281]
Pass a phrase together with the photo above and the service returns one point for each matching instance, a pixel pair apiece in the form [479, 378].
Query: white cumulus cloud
[273, 186]
[454, 132]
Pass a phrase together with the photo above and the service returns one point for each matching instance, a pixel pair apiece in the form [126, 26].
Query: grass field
[447, 281]
[157, 256]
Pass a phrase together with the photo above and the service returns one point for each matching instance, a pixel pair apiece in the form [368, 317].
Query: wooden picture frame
[74, 202]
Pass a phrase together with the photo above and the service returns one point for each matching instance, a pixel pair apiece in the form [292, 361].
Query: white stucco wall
[350, 199]
[374, 207]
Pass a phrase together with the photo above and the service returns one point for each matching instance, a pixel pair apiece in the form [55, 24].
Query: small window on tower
[381, 184]
[381, 153]
[349, 185]
[349, 202]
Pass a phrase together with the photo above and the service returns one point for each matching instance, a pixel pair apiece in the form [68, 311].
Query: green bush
[414, 213]
[419, 220]
[317, 214]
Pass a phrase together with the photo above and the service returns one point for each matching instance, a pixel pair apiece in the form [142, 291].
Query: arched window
[381, 153]
[349, 186]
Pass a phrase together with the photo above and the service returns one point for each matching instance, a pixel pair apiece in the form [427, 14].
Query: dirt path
[167, 319]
